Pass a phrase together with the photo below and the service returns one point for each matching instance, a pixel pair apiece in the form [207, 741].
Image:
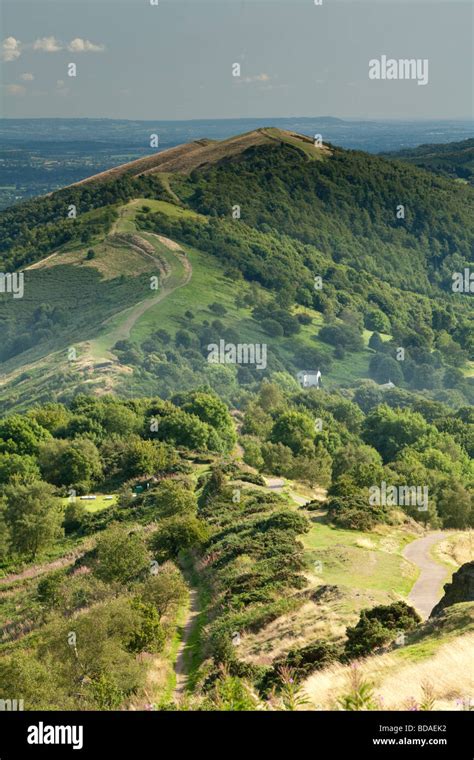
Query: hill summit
[203, 153]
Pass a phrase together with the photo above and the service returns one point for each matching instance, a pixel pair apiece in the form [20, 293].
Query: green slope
[305, 212]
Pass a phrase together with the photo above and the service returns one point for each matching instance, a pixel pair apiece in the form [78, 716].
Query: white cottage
[309, 378]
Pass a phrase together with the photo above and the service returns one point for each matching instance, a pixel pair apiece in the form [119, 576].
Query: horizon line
[240, 118]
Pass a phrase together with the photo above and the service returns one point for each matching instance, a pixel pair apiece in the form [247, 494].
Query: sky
[175, 60]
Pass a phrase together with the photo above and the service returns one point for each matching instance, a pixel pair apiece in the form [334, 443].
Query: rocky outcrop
[461, 589]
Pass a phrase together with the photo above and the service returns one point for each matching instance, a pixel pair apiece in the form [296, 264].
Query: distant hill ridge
[204, 152]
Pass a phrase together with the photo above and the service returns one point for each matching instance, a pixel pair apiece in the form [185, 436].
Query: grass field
[100, 502]
[371, 561]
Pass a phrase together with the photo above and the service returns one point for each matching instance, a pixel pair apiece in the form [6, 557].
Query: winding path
[427, 590]
[133, 313]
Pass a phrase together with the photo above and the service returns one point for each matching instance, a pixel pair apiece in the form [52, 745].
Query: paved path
[428, 589]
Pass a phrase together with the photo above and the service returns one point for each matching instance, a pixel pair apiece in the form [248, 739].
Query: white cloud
[11, 49]
[79, 45]
[47, 45]
[27, 76]
[15, 89]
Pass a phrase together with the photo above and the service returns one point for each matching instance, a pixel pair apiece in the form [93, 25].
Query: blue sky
[174, 61]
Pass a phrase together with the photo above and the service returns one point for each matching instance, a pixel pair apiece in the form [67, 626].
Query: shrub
[355, 512]
[272, 328]
[378, 626]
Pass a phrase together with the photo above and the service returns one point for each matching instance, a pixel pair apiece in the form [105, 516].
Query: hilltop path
[123, 331]
[121, 233]
[428, 588]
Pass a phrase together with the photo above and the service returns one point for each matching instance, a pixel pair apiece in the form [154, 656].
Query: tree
[277, 458]
[171, 498]
[22, 466]
[272, 327]
[270, 397]
[295, 430]
[390, 430]
[166, 590]
[345, 335]
[455, 506]
[360, 462]
[313, 470]
[74, 516]
[4, 531]
[257, 421]
[181, 429]
[51, 416]
[149, 635]
[252, 451]
[98, 668]
[183, 338]
[210, 409]
[375, 342]
[143, 458]
[218, 309]
[33, 516]
[121, 420]
[21, 435]
[122, 555]
[377, 320]
[177, 534]
[74, 463]
[384, 368]
[24, 674]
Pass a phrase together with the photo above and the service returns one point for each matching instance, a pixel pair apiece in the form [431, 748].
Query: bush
[218, 309]
[149, 635]
[272, 328]
[74, 516]
[355, 512]
[303, 661]
[378, 626]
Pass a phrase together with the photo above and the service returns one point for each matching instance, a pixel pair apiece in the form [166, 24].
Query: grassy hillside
[313, 262]
[430, 668]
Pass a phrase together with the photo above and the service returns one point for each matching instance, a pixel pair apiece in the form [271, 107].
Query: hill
[454, 160]
[201, 154]
[292, 244]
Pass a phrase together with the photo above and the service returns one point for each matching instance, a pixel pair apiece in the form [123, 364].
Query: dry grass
[457, 549]
[184, 158]
[449, 673]
[325, 619]
[111, 261]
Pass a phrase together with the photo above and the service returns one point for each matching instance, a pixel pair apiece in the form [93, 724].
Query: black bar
[216, 734]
